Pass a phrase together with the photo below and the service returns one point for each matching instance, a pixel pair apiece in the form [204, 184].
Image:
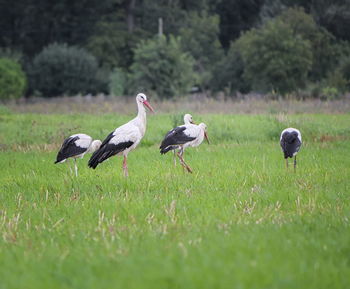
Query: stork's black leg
[295, 163]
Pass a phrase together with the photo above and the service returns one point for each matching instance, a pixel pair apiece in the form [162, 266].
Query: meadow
[241, 220]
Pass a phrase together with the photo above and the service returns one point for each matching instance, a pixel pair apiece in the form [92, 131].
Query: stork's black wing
[173, 138]
[107, 139]
[106, 151]
[290, 143]
[69, 149]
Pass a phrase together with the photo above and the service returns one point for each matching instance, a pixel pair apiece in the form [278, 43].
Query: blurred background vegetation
[170, 48]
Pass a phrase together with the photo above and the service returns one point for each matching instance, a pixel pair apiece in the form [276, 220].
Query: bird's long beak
[206, 137]
[192, 122]
[146, 103]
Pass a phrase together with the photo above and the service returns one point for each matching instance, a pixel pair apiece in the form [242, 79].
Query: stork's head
[188, 119]
[203, 126]
[95, 145]
[142, 98]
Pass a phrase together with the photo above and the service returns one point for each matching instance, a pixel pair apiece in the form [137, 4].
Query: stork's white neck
[141, 111]
[141, 117]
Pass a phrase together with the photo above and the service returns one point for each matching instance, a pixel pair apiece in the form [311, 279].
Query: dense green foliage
[117, 83]
[229, 73]
[160, 66]
[345, 71]
[240, 221]
[61, 69]
[275, 58]
[112, 30]
[200, 31]
[111, 45]
[12, 79]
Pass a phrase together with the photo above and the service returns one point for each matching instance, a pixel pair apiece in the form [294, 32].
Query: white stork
[76, 146]
[290, 142]
[187, 120]
[125, 138]
[181, 137]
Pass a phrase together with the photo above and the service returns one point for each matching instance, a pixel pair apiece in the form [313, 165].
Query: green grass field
[241, 220]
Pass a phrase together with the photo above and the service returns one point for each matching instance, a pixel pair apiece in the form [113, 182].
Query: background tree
[112, 29]
[112, 45]
[275, 58]
[271, 8]
[200, 39]
[228, 74]
[324, 51]
[237, 16]
[334, 16]
[344, 70]
[28, 26]
[162, 67]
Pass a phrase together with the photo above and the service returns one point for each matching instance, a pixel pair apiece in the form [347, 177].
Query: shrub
[12, 79]
[324, 51]
[60, 69]
[329, 93]
[162, 67]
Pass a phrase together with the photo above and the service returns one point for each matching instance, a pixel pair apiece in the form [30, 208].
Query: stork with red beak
[125, 138]
[181, 137]
[188, 119]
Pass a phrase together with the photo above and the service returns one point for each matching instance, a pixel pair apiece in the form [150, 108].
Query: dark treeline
[168, 48]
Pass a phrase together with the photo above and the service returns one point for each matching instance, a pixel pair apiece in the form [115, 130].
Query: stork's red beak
[206, 137]
[146, 103]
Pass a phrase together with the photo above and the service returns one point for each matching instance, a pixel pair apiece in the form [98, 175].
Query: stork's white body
[124, 138]
[196, 131]
[84, 141]
[133, 130]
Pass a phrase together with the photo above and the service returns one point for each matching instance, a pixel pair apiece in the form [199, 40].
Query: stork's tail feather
[100, 155]
[60, 160]
[164, 150]
[95, 159]
[106, 152]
